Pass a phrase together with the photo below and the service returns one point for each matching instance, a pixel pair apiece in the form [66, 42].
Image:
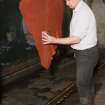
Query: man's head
[72, 3]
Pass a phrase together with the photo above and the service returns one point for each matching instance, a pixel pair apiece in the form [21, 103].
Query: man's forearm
[67, 41]
[47, 39]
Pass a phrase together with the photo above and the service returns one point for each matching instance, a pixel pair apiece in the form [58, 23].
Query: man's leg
[86, 62]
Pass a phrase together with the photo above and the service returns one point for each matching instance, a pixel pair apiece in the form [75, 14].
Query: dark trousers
[86, 61]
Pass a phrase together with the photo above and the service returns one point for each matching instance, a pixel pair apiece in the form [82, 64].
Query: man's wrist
[56, 40]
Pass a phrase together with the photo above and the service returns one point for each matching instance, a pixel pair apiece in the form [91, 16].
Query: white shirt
[83, 24]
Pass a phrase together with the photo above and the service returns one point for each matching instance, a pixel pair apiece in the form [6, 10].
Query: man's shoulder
[83, 12]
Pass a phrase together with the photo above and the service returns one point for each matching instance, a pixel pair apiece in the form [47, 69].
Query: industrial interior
[23, 80]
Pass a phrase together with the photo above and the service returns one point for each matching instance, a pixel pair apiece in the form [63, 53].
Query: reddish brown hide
[43, 15]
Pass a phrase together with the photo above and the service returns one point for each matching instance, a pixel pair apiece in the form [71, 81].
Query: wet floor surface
[38, 88]
[41, 87]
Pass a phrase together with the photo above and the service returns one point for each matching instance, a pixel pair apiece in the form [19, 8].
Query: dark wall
[10, 19]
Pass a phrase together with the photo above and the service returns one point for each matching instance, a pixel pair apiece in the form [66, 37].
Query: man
[83, 39]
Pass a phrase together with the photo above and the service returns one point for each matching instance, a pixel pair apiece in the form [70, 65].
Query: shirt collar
[78, 6]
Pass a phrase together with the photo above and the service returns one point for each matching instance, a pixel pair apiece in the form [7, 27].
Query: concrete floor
[39, 88]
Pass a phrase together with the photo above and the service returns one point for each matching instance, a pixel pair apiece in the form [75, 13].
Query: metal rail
[67, 91]
[20, 69]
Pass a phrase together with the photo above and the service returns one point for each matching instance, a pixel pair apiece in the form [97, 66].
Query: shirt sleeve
[80, 25]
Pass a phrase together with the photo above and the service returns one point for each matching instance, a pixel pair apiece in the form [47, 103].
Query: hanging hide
[43, 15]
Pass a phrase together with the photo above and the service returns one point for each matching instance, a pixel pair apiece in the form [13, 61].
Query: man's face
[71, 3]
